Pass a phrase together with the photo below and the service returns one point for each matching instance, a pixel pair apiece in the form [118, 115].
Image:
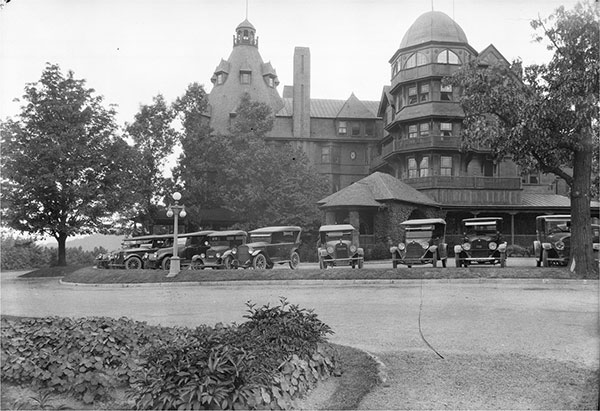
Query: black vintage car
[423, 242]
[268, 246]
[482, 242]
[222, 252]
[134, 248]
[553, 240]
[338, 245]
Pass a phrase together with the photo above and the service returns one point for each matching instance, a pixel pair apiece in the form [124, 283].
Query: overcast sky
[131, 50]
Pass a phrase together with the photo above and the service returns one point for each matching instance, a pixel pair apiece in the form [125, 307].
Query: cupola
[245, 34]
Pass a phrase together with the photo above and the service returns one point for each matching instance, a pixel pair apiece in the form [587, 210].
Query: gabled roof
[354, 108]
[386, 99]
[374, 190]
[491, 56]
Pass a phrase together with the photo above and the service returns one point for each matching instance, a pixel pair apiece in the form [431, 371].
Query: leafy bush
[379, 251]
[266, 362]
[20, 254]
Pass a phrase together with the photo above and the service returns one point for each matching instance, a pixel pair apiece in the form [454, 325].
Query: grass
[53, 271]
[90, 275]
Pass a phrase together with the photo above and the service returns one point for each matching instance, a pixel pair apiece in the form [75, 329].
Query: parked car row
[423, 241]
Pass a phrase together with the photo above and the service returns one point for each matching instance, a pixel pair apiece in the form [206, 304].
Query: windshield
[260, 238]
[481, 228]
[558, 226]
[338, 235]
[418, 234]
[226, 241]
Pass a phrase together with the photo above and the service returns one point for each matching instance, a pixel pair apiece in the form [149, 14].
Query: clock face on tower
[352, 155]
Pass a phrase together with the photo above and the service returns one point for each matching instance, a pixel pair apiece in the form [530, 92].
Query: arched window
[416, 59]
[448, 57]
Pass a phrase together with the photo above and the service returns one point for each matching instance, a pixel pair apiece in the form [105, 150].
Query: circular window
[352, 155]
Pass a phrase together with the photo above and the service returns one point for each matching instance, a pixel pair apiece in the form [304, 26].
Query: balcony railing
[465, 182]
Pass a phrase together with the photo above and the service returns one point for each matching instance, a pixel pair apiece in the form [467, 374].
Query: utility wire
[420, 331]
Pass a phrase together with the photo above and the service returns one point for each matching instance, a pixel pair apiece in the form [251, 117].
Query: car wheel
[294, 260]
[545, 258]
[166, 263]
[227, 263]
[197, 265]
[259, 262]
[133, 263]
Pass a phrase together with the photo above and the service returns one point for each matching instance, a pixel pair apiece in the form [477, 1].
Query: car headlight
[401, 247]
[352, 248]
[424, 244]
[492, 245]
[218, 255]
[330, 250]
[466, 246]
[559, 245]
[146, 255]
[202, 255]
[234, 251]
[99, 257]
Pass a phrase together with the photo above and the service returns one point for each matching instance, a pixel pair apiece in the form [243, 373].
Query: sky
[131, 50]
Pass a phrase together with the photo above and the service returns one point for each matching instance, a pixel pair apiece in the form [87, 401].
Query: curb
[333, 282]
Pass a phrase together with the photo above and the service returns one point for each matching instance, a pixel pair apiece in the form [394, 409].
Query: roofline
[272, 229]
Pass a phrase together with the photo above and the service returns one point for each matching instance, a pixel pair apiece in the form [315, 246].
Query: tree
[545, 116]
[264, 182]
[154, 138]
[64, 168]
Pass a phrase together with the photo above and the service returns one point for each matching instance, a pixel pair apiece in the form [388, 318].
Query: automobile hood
[219, 248]
[258, 244]
[336, 242]
[558, 237]
[488, 238]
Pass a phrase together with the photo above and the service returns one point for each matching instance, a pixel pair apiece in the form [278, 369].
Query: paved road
[550, 319]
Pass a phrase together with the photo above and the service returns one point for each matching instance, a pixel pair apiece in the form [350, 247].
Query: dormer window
[270, 81]
[220, 78]
[448, 57]
[245, 77]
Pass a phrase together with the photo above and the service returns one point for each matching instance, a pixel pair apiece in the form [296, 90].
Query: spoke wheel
[166, 263]
[294, 260]
[259, 262]
[133, 263]
[227, 263]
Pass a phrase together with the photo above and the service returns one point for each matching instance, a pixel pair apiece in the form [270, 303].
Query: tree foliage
[545, 116]
[154, 138]
[64, 168]
[263, 182]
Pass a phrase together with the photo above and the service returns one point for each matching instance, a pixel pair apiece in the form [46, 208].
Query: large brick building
[412, 134]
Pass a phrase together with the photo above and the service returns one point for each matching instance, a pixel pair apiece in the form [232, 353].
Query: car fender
[227, 254]
[547, 246]
[196, 257]
[458, 249]
[502, 247]
[127, 257]
[537, 248]
[361, 251]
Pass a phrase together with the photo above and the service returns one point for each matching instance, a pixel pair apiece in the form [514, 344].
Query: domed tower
[243, 72]
[423, 120]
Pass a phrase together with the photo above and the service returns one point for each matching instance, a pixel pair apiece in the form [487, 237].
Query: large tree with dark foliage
[263, 182]
[154, 139]
[64, 168]
[545, 116]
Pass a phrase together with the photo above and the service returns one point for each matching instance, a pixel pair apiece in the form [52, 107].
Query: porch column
[512, 227]
[355, 221]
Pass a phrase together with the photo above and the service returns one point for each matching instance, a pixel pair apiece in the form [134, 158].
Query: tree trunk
[62, 249]
[582, 258]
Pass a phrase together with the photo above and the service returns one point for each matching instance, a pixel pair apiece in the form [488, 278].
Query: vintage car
[553, 243]
[338, 245]
[133, 250]
[188, 245]
[268, 246]
[423, 242]
[482, 242]
[222, 252]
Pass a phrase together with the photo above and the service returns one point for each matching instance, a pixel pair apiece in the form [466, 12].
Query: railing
[465, 182]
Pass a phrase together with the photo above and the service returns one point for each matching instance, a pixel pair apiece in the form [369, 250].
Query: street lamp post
[175, 211]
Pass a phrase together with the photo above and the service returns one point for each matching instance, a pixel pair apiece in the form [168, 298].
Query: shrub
[379, 251]
[266, 362]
